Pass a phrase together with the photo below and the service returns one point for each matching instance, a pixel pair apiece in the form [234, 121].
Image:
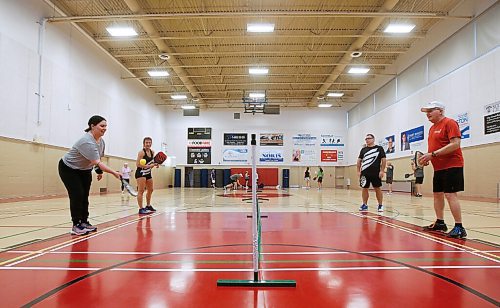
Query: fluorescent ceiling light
[258, 71]
[188, 107]
[158, 73]
[399, 28]
[358, 70]
[260, 27]
[178, 96]
[257, 95]
[324, 105]
[121, 31]
[335, 94]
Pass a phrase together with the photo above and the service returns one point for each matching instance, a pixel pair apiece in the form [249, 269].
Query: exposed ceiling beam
[259, 14]
[266, 65]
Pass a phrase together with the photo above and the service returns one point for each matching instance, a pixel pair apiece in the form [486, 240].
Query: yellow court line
[435, 238]
[72, 241]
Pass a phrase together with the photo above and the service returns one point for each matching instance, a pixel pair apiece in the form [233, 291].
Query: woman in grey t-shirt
[75, 170]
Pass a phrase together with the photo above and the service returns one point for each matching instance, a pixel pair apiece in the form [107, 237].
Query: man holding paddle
[446, 157]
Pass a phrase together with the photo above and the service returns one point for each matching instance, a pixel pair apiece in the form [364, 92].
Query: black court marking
[449, 280]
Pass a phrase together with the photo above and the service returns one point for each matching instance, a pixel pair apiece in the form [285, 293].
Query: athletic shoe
[150, 208]
[79, 230]
[363, 208]
[457, 232]
[144, 211]
[436, 227]
[88, 226]
[380, 208]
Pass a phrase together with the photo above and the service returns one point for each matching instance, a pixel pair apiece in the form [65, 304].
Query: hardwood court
[338, 256]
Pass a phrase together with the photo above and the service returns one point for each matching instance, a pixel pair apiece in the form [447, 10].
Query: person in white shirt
[125, 175]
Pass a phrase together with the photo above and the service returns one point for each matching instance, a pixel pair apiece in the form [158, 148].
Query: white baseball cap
[433, 105]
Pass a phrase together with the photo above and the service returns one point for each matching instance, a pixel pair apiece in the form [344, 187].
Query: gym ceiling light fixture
[121, 31]
[158, 73]
[399, 28]
[178, 96]
[186, 107]
[358, 70]
[335, 94]
[258, 71]
[260, 27]
[324, 105]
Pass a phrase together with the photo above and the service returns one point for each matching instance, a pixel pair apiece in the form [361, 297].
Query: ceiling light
[324, 105]
[178, 96]
[121, 31]
[335, 94]
[164, 56]
[158, 73]
[358, 70]
[399, 28]
[257, 95]
[188, 107]
[356, 54]
[258, 71]
[260, 28]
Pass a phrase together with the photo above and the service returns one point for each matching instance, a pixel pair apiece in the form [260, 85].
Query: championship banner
[199, 156]
[199, 133]
[235, 139]
[268, 156]
[271, 139]
[235, 155]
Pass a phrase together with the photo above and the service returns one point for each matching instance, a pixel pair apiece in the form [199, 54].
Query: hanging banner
[300, 140]
[271, 139]
[199, 156]
[267, 156]
[331, 140]
[235, 139]
[235, 155]
[329, 156]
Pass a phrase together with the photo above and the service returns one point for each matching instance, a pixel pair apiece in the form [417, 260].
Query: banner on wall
[199, 156]
[492, 118]
[199, 143]
[331, 140]
[275, 139]
[412, 138]
[388, 144]
[199, 133]
[329, 155]
[304, 155]
[463, 123]
[304, 140]
[267, 156]
[235, 155]
[235, 139]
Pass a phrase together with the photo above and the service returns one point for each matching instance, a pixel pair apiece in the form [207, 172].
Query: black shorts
[388, 180]
[374, 180]
[448, 180]
[320, 179]
[419, 180]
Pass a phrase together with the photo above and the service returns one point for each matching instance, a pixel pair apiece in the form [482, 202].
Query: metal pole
[255, 229]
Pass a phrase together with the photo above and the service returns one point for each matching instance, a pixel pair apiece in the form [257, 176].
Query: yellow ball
[142, 162]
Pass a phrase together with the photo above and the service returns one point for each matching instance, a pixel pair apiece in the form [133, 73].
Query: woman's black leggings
[77, 184]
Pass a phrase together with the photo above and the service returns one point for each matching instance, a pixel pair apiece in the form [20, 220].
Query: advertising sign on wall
[235, 138]
[235, 155]
[199, 133]
[267, 156]
[271, 139]
[199, 156]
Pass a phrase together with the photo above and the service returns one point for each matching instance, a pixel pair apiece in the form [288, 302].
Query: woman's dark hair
[94, 120]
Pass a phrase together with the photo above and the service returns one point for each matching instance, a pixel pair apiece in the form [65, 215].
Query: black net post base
[257, 283]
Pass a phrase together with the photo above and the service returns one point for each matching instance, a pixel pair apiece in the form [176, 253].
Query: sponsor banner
[304, 155]
[199, 133]
[304, 140]
[492, 118]
[275, 139]
[388, 144]
[199, 143]
[463, 123]
[412, 138]
[199, 156]
[267, 156]
[235, 138]
[330, 140]
[235, 155]
[329, 155]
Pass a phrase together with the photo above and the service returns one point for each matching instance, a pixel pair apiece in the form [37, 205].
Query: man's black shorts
[370, 179]
[448, 180]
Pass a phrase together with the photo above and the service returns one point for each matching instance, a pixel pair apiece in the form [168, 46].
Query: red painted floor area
[175, 260]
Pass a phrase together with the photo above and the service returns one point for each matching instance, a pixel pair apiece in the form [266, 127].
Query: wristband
[434, 154]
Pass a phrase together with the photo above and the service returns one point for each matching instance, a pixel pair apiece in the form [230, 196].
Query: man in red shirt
[446, 158]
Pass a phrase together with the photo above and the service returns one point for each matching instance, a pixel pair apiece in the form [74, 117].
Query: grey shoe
[79, 230]
[88, 226]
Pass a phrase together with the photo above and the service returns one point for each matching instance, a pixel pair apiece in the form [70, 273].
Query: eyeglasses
[368, 138]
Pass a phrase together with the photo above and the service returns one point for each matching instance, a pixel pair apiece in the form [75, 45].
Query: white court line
[467, 249]
[249, 253]
[361, 268]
